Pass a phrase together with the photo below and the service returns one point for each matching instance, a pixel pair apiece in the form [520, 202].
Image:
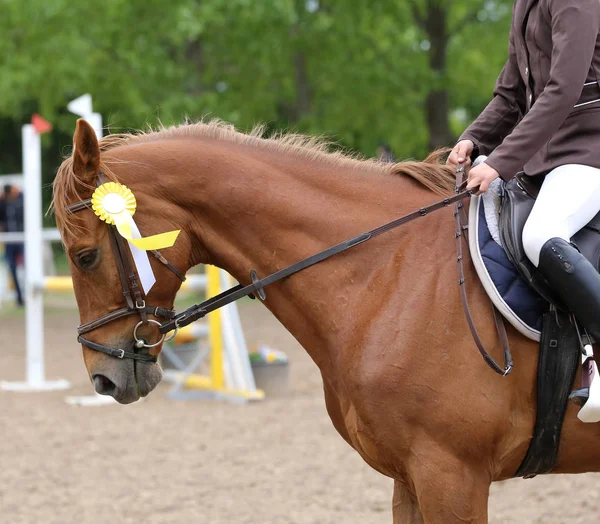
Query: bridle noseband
[133, 293]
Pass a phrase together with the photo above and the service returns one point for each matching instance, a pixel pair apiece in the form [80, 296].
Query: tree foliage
[358, 71]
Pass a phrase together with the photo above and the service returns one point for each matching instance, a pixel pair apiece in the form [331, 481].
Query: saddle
[518, 197]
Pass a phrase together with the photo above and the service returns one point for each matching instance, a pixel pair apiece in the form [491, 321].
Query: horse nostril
[104, 385]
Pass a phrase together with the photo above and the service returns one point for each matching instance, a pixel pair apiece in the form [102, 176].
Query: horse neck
[263, 211]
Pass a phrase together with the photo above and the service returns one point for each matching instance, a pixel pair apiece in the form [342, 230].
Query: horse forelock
[68, 188]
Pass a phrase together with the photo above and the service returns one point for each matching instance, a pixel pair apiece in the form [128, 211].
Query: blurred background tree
[411, 73]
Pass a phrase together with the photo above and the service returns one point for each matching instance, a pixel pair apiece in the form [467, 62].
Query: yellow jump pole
[215, 335]
[58, 284]
[65, 284]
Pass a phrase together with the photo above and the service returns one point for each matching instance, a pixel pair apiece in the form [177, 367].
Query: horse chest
[359, 433]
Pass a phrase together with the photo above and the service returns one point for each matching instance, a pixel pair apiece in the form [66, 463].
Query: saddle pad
[508, 291]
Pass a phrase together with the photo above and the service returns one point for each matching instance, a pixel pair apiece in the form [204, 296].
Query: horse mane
[430, 173]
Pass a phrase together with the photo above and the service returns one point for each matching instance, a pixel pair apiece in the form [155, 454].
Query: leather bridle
[134, 297]
[136, 304]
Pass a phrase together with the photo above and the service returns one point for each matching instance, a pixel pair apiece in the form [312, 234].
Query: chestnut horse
[404, 384]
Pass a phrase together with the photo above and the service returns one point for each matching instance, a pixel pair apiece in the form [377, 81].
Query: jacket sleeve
[501, 115]
[575, 26]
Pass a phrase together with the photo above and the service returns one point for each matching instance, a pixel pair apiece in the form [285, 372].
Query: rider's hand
[461, 154]
[482, 175]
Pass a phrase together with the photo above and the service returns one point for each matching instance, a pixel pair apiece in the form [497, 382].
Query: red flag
[40, 124]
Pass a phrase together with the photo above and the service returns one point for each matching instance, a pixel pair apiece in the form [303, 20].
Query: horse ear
[86, 153]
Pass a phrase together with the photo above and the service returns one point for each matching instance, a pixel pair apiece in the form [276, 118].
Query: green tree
[467, 43]
[411, 73]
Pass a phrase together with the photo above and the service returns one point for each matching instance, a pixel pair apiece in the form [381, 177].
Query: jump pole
[34, 271]
[65, 284]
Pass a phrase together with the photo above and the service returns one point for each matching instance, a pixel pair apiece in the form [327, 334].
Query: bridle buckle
[140, 304]
[120, 354]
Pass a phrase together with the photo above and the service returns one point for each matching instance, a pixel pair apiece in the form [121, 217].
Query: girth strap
[115, 352]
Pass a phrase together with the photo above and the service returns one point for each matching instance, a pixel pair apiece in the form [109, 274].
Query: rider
[544, 119]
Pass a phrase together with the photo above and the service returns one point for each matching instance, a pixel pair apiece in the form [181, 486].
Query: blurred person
[11, 220]
[544, 119]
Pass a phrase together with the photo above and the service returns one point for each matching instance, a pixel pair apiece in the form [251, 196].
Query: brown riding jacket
[532, 123]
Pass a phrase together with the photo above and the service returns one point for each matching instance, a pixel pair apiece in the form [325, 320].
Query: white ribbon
[141, 261]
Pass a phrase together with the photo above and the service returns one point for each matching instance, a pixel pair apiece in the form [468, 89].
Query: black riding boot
[577, 283]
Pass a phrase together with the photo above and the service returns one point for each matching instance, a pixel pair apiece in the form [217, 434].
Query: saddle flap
[514, 212]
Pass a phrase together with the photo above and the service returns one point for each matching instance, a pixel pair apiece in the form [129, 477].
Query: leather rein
[136, 304]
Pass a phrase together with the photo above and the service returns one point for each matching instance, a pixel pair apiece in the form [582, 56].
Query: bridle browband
[136, 304]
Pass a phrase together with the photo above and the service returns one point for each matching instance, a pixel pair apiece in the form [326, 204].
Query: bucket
[272, 377]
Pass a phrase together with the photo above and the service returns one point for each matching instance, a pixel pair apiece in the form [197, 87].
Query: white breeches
[568, 200]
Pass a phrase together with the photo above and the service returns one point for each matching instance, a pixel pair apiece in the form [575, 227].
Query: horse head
[119, 320]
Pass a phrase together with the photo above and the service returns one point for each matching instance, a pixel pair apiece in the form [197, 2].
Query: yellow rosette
[115, 204]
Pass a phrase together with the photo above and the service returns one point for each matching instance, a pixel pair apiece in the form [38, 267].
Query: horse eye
[87, 259]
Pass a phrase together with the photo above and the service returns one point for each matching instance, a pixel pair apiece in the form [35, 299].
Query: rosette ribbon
[115, 204]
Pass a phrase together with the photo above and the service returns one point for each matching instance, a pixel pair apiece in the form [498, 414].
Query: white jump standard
[35, 379]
